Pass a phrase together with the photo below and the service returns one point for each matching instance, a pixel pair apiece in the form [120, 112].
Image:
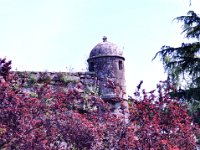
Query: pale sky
[57, 35]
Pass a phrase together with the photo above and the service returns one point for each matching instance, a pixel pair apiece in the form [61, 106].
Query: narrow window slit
[120, 65]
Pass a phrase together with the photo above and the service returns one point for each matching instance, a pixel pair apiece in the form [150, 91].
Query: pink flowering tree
[158, 121]
[82, 120]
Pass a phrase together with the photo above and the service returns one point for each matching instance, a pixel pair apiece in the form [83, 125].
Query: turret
[107, 62]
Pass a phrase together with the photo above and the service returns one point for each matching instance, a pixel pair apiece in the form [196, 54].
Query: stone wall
[29, 81]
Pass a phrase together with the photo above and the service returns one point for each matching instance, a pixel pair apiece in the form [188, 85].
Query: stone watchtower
[107, 62]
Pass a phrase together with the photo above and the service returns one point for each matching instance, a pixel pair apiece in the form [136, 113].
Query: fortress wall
[29, 81]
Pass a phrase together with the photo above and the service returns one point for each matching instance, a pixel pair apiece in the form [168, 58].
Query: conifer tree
[182, 64]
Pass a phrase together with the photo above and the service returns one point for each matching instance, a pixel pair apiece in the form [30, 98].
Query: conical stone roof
[105, 48]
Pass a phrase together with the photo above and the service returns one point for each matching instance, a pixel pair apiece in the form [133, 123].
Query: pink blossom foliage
[85, 121]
